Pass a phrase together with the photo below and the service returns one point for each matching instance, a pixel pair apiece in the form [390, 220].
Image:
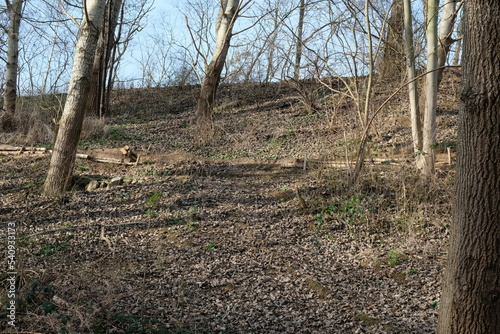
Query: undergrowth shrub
[36, 119]
[394, 197]
[93, 127]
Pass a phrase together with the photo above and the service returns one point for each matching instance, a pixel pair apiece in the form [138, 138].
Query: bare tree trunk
[470, 303]
[102, 65]
[113, 63]
[299, 43]
[426, 163]
[272, 47]
[416, 123]
[392, 62]
[9, 102]
[456, 56]
[63, 156]
[369, 84]
[365, 119]
[224, 26]
[445, 30]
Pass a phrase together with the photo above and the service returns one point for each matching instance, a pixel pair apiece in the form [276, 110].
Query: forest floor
[229, 237]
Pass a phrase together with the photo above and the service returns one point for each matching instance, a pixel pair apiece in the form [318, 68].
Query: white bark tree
[416, 123]
[425, 161]
[70, 125]
[224, 27]
[11, 72]
[103, 62]
[458, 49]
[448, 18]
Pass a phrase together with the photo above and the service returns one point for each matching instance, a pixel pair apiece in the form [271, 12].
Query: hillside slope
[226, 239]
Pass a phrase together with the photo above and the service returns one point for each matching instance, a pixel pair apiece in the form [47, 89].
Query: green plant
[116, 133]
[92, 142]
[352, 206]
[123, 195]
[210, 246]
[367, 319]
[319, 221]
[48, 307]
[154, 199]
[150, 213]
[34, 184]
[228, 156]
[395, 256]
[193, 214]
[349, 211]
[388, 162]
[434, 305]
[51, 249]
[82, 168]
[30, 185]
[121, 133]
[412, 272]
[277, 142]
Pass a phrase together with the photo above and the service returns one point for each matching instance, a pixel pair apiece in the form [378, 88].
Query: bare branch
[69, 15]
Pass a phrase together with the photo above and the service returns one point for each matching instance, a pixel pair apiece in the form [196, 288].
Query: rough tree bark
[9, 103]
[63, 156]
[224, 26]
[470, 303]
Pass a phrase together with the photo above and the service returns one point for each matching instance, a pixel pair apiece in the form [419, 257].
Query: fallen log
[112, 161]
[21, 152]
[17, 150]
[81, 156]
[9, 148]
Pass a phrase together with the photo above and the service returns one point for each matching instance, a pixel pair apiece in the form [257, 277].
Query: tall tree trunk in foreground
[426, 162]
[63, 156]
[224, 26]
[299, 42]
[416, 123]
[445, 30]
[470, 303]
[9, 103]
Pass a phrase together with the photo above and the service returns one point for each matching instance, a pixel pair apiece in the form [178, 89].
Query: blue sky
[165, 13]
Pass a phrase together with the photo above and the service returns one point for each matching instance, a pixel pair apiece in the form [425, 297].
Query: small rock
[92, 185]
[114, 182]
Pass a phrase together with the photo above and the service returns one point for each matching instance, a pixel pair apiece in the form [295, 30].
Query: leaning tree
[224, 27]
[70, 125]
